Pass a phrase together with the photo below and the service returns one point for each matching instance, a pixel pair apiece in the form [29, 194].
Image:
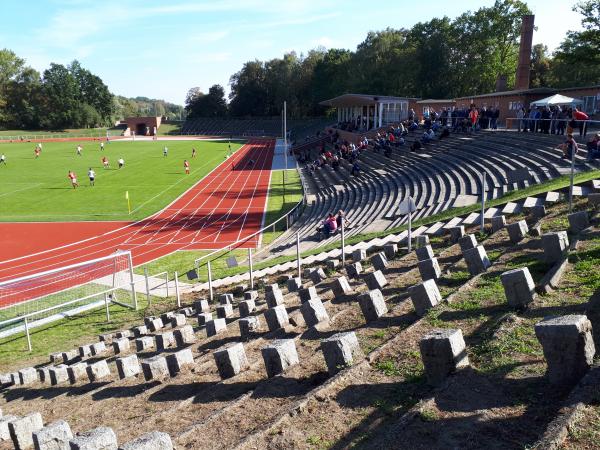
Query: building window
[589, 104]
[513, 106]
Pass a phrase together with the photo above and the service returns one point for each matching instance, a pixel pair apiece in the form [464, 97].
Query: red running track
[224, 207]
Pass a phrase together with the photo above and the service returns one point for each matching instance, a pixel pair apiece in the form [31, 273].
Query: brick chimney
[524, 67]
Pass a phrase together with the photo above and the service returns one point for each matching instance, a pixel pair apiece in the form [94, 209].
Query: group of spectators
[332, 224]
[552, 120]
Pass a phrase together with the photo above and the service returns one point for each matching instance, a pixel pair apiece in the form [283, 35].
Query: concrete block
[443, 352]
[164, 340]
[78, 372]
[43, 375]
[144, 343]
[271, 287]
[224, 311]
[498, 223]
[128, 366]
[72, 355]
[201, 306]
[425, 296]
[307, 293]
[340, 351]
[538, 212]
[318, 275]
[150, 441]
[477, 260]
[240, 289]
[121, 345]
[379, 261]
[101, 438]
[519, 287]
[372, 305]
[578, 221]
[276, 317]
[231, 360]
[274, 297]
[140, 331]
[216, 326]
[98, 371]
[178, 320]
[390, 250]
[250, 295]
[429, 269]
[421, 241]
[203, 318]
[124, 334]
[28, 375]
[184, 336]
[58, 375]
[155, 368]
[456, 233]
[187, 312]
[4, 431]
[306, 272]
[156, 324]
[568, 347]
[54, 436]
[423, 253]
[314, 312]
[359, 254]
[22, 429]
[293, 284]
[85, 350]
[279, 355]
[16, 379]
[467, 242]
[246, 307]
[224, 299]
[180, 360]
[354, 270]
[249, 326]
[166, 317]
[56, 358]
[341, 287]
[332, 264]
[107, 338]
[555, 246]
[375, 280]
[517, 231]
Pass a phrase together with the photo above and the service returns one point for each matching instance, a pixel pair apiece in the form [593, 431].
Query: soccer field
[38, 189]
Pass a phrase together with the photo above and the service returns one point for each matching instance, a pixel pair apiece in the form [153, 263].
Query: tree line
[65, 97]
[441, 58]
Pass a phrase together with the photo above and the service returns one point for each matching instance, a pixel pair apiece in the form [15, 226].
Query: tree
[577, 60]
[249, 93]
[540, 66]
[212, 104]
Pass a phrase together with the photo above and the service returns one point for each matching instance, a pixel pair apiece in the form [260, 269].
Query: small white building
[365, 112]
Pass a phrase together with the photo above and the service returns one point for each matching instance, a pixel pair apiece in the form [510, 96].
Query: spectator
[428, 136]
[561, 121]
[355, 169]
[341, 219]
[593, 148]
[581, 119]
[473, 116]
[415, 146]
[569, 147]
[445, 133]
[520, 122]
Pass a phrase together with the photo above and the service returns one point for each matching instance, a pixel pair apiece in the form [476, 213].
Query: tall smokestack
[524, 67]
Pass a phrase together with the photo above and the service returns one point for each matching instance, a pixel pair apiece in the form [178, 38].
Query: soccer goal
[35, 300]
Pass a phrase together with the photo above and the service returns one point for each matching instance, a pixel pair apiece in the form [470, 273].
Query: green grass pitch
[38, 189]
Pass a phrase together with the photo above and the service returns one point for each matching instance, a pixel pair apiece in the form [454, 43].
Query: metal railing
[553, 125]
[41, 137]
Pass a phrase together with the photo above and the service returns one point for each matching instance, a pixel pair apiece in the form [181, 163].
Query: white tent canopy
[557, 99]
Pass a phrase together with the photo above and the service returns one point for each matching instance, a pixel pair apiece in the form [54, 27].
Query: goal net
[67, 289]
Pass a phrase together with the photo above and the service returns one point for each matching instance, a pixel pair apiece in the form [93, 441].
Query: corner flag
[128, 203]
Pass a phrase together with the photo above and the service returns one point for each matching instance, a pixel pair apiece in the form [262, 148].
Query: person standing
[3, 159]
[37, 152]
[581, 119]
[165, 151]
[101, 146]
[193, 152]
[79, 148]
[520, 115]
[186, 166]
[91, 176]
[121, 162]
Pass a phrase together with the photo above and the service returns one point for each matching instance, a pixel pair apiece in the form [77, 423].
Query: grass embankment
[183, 261]
[38, 189]
[169, 129]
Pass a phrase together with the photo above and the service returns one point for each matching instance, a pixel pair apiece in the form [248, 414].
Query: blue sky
[160, 49]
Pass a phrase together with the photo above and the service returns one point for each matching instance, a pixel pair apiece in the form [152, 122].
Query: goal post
[67, 290]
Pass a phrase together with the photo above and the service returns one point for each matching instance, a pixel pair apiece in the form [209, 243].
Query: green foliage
[213, 104]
